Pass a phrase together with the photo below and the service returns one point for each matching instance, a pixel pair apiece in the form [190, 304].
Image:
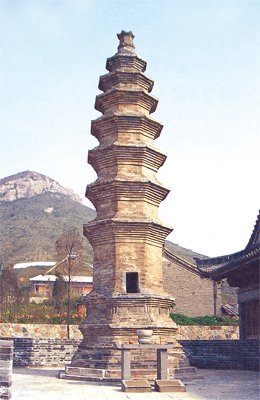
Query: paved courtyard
[44, 384]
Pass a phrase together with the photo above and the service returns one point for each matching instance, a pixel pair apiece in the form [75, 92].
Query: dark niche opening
[132, 282]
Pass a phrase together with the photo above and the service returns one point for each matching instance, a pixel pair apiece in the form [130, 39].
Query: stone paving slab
[44, 384]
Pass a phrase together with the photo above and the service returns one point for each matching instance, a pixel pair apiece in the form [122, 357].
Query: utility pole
[1, 288]
[71, 256]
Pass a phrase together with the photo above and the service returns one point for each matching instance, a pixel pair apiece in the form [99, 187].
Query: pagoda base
[104, 364]
[99, 355]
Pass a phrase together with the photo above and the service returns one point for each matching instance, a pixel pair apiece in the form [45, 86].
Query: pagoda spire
[126, 42]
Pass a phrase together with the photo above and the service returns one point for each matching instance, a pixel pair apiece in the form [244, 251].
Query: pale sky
[204, 57]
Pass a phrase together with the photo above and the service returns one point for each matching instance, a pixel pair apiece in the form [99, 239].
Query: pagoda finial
[126, 44]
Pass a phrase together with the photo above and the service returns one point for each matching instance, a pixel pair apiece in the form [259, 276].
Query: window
[132, 282]
[252, 320]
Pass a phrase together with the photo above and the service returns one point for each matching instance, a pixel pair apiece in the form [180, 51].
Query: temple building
[127, 237]
[241, 270]
[195, 294]
[42, 286]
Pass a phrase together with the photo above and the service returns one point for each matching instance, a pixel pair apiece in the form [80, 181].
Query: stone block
[136, 386]
[169, 385]
[5, 393]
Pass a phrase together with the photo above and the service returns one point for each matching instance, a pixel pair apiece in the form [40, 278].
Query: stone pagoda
[127, 237]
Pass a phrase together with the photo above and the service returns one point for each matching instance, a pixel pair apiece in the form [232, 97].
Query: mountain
[34, 211]
[28, 184]
[186, 254]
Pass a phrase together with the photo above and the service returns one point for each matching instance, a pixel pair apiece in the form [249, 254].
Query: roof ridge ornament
[126, 43]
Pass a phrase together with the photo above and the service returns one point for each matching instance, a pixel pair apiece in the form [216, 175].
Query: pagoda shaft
[126, 236]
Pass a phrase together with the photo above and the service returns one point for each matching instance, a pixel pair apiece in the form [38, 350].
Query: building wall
[45, 288]
[193, 294]
[249, 306]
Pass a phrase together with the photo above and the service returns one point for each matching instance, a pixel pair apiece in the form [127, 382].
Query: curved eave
[254, 239]
[150, 157]
[117, 77]
[107, 124]
[124, 60]
[152, 191]
[117, 97]
[220, 267]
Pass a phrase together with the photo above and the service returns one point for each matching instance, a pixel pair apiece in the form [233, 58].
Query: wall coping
[49, 331]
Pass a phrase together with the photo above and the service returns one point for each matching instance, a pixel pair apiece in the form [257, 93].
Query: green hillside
[30, 226]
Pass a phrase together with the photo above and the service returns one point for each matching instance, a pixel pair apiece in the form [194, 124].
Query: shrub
[208, 320]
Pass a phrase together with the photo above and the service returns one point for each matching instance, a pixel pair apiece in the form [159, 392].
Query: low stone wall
[47, 331]
[215, 354]
[46, 345]
[211, 353]
[223, 354]
[201, 332]
[6, 362]
[43, 352]
[38, 331]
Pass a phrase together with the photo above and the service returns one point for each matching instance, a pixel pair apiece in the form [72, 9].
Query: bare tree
[69, 248]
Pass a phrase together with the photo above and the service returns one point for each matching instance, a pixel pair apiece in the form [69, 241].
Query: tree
[12, 297]
[59, 292]
[69, 248]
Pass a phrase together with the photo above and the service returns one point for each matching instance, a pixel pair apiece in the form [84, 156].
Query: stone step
[110, 374]
[82, 378]
[88, 372]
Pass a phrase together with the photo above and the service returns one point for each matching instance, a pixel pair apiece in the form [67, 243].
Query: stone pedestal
[140, 386]
[169, 386]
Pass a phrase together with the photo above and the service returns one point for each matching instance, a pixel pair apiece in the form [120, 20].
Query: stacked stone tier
[122, 314]
[120, 99]
[149, 309]
[124, 246]
[125, 129]
[117, 160]
[125, 61]
[125, 79]
[111, 230]
[125, 198]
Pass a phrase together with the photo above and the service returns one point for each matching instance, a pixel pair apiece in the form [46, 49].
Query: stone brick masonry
[216, 354]
[223, 354]
[45, 345]
[48, 331]
[43, 352]
[193, 294]
[38, 331]
[206, 346]
[6, 362]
